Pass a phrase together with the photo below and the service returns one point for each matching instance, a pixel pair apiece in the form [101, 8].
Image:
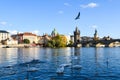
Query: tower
[96, 35]
[76, 35]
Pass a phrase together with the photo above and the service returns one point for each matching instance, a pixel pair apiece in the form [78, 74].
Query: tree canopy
[70, 43]
[26, 41]
[57, 41]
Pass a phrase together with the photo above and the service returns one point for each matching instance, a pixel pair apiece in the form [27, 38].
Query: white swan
[31, 69]
[76, 66]
[60, 70]
[65, 65]
[74, 57]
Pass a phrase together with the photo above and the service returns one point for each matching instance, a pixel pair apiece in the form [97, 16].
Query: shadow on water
[31, 62]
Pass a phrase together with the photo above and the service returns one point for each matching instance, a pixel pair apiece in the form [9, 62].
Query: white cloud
[70, 33]
[35, 32]
[60, 12]
[90, 5]
[13, 31]
[3, 23]
[67, 4]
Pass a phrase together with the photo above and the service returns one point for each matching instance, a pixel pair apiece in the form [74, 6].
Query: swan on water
[74, 57]
[60, 70]
[76, 66]
[65, 65]
[31, 69]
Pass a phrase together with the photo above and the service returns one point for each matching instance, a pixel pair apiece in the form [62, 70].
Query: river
[42, 63]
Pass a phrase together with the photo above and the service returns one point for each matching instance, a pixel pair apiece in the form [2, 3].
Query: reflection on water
[8, 56]
[96, 63]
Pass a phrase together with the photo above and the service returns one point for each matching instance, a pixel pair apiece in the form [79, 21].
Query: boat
[25, 46]
[6, 47]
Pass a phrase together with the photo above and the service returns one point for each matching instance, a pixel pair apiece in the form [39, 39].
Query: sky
[42, 16]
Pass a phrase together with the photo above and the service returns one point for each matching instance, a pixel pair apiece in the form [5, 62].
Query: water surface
[97, 63]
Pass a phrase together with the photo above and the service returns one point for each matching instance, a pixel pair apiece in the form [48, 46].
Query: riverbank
[15, 46]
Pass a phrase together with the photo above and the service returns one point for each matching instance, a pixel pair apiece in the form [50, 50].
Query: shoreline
[16, 46]
[31, 45]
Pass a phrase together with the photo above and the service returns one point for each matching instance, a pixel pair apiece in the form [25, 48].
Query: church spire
[95, 31]
[96, 35]
[77, 30]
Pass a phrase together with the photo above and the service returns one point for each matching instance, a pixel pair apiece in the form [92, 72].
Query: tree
[26, 41]
[51, 43]
[70, 43]
[57, 41]
[3, 42]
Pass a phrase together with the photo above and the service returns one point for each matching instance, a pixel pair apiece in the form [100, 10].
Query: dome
[54, 32]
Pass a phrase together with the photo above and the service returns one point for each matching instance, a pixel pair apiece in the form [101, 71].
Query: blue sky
[42, 16]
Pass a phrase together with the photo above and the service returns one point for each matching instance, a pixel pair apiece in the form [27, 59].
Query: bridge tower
[76, 36]
[96, 35]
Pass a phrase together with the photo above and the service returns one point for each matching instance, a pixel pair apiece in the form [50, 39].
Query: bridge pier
[78, 45]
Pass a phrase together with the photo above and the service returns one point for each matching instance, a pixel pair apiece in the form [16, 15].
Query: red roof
[27, 34]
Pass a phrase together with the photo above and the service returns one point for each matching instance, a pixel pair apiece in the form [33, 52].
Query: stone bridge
[106, 43]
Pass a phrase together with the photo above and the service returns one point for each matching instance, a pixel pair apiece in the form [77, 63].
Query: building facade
[27, 35]
[4, 35]
[11, 41]
[43, 39]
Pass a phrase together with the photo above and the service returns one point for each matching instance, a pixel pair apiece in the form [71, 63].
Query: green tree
[70, 43]
[26, 41]
[57, 41]
[51, 43]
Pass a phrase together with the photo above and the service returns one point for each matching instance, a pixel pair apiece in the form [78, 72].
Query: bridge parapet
[106, 43]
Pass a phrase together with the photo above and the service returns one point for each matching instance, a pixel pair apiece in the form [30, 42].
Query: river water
[42, 63]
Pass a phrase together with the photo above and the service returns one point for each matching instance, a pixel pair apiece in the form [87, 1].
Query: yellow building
[30, 36]
[43, 39]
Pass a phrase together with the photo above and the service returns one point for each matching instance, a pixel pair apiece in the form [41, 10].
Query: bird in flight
[78, 16]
